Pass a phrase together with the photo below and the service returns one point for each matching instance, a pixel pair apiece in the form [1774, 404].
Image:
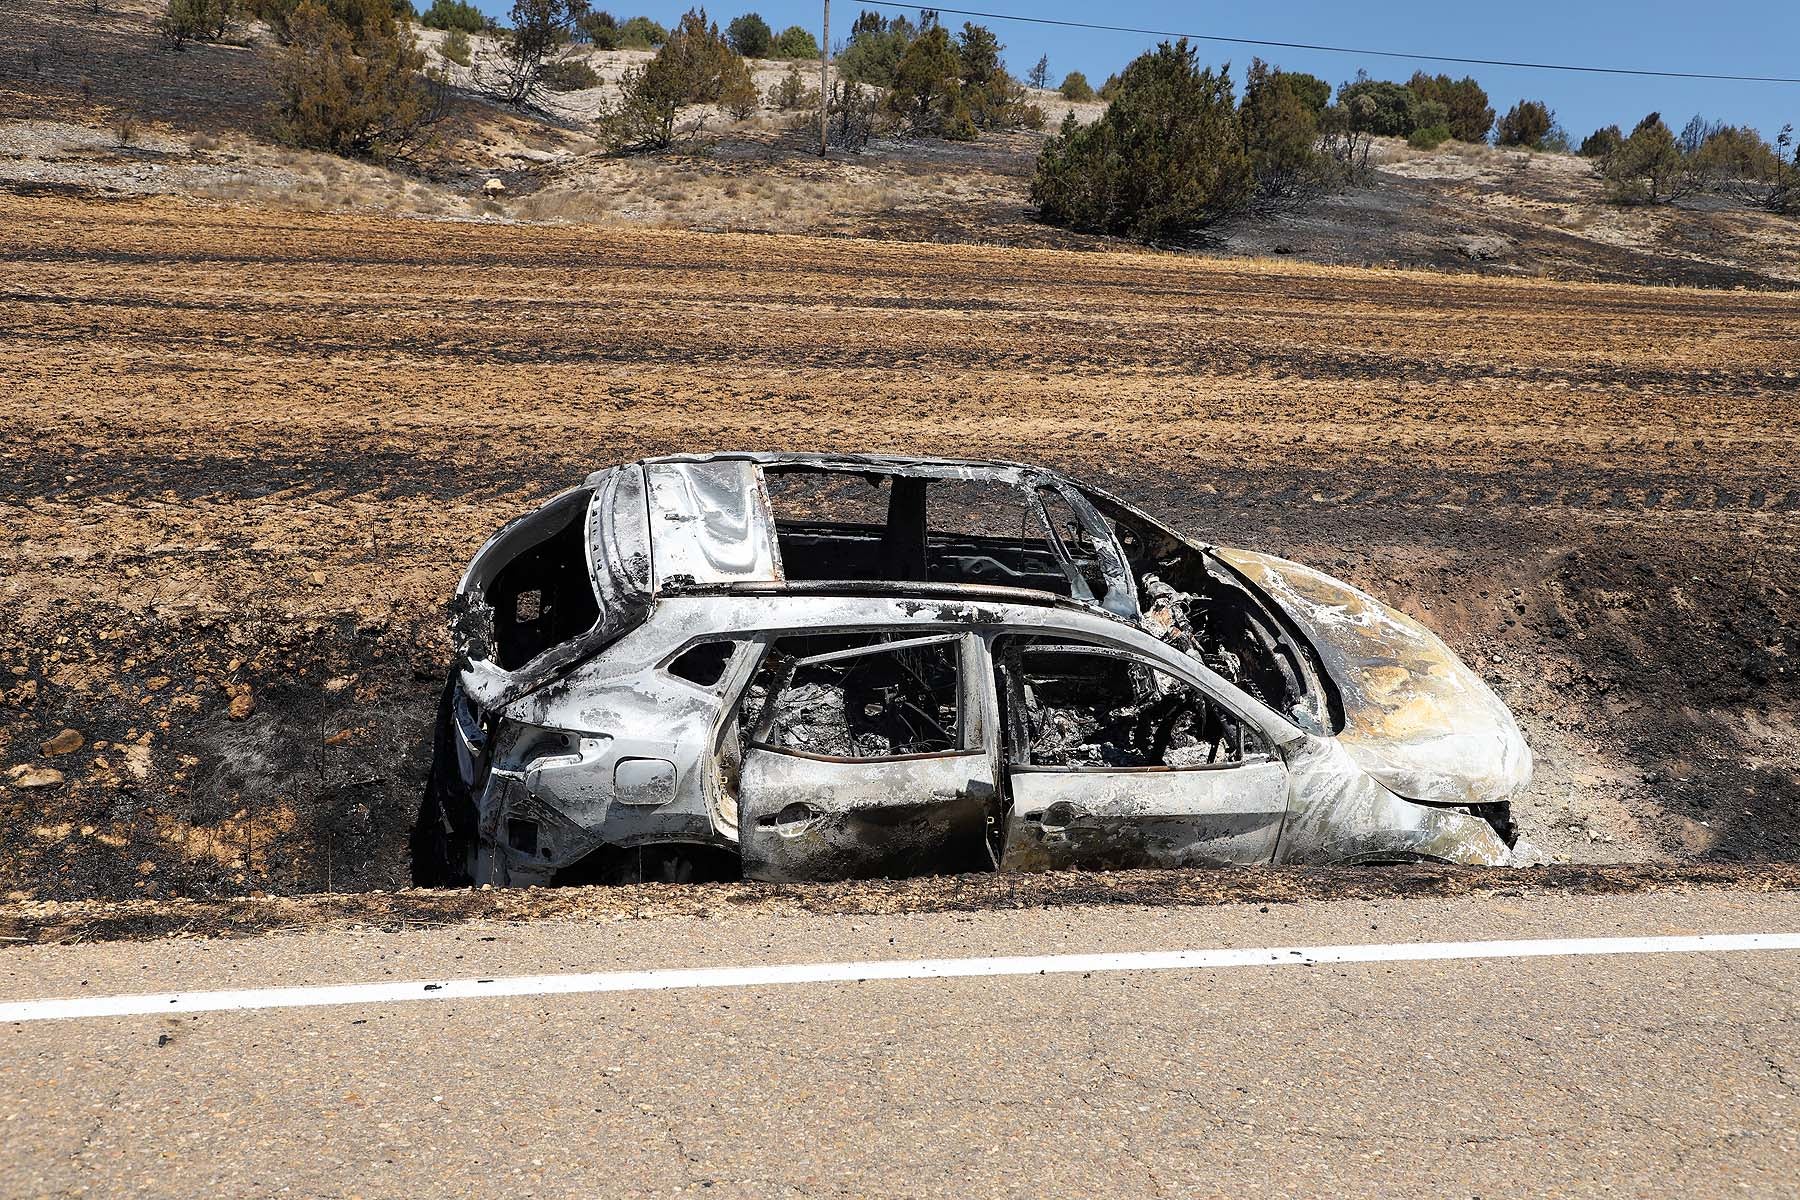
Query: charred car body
[821, 667]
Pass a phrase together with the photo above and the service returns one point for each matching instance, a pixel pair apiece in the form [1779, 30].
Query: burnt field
[246, 456]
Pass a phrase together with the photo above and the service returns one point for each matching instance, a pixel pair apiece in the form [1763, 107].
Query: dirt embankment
[246, 456]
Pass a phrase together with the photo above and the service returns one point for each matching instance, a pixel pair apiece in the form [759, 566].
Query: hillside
[93, 105]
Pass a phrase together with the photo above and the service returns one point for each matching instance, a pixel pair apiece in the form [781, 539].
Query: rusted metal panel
[1416, 718]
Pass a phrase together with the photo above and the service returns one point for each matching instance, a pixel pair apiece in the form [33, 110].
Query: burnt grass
[67, 922]
[245, 459]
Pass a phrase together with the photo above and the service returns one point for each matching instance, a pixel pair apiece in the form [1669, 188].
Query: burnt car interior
[1191, 601]
[1072, 706]
[855, 696]
[838, 525]
[543, 597]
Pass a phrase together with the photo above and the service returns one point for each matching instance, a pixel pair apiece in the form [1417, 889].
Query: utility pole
[825, 80]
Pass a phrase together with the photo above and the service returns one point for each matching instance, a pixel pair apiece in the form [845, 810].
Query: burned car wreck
[794, 667]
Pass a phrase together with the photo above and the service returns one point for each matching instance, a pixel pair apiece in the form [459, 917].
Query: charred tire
[441, 843]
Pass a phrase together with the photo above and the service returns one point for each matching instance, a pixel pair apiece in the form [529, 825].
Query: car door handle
[1058, 815]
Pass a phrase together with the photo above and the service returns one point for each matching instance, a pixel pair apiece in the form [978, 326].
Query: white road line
[251, 999]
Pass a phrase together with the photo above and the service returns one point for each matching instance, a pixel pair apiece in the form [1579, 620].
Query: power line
[1435, 58]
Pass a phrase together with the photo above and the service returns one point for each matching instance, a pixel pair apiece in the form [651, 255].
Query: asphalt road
[1633, 1075]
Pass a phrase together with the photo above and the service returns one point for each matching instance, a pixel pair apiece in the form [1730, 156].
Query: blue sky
[1746, 37]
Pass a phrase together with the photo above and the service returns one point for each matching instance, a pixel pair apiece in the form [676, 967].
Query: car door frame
[1112, 804]
[844, 817]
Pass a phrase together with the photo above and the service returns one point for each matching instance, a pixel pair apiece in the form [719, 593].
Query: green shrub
[1466, 111]
[750, 36]
[1602, 143]
[1526, 123]
[737, 87]
[600, 28]
[360, 17]
[1428, 138]
[538, 29]
[790, 92]
[995, 99]
[643, 117]
[1280, 131]
[1110, 89]
[1647, 166]
[927, 93]
[1735, 153]
[641, 33]
[1314, 92]
[876, 46]
[1379, 107]
[1076, 89]
[455, 47]
[185, 21]
[570, 75]
[694, 66]
[794, 42]
[454, 14]
[354, 95]
[1165, 159]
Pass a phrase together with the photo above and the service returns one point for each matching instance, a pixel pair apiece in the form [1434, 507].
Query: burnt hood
[1416, 718]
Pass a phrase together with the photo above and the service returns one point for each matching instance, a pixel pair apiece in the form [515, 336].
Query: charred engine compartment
[1196, 604]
